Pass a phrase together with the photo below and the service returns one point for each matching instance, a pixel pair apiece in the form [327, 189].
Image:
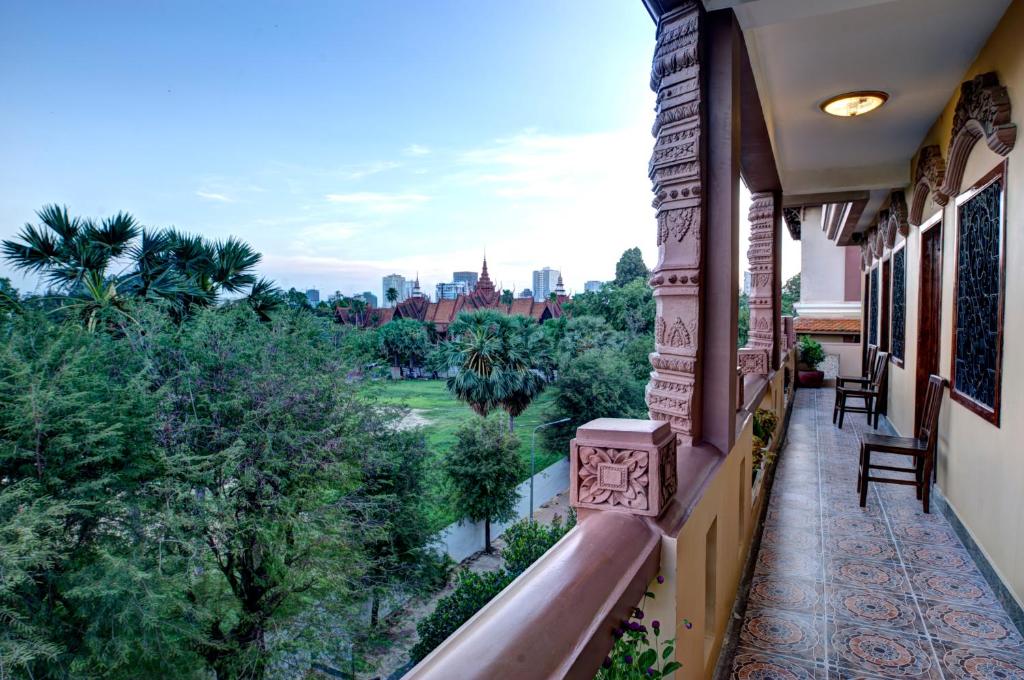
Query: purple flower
[661, 579]
[634, 626]
[655, 624]
[607, 662]
[638, 613]
[687, 623]
[628, 659]
[650, 671]
[618, 632]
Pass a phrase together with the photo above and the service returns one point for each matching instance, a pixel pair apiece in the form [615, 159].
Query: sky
[344, 140]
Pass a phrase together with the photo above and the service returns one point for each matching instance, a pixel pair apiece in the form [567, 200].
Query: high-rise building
[450, 291]
[313, 296]
[526, 293]
[396, 281]
[407, 290]
[544, 282]
[369, 298]
[469, 278]
[592, 286]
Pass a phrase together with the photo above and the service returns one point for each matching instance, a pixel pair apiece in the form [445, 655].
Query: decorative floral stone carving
[887, 229]
[931, 170]
[623, 465]
[760, 255]
[677, 172]
[752, 361]
[983, 111]
[793, 218]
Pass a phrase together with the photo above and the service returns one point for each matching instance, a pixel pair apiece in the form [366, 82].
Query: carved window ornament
[928, 177]
[983, 111]
[899, 305]
[978, 296]
[898, 214]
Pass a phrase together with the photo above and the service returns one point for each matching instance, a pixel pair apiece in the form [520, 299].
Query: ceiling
[804, 51]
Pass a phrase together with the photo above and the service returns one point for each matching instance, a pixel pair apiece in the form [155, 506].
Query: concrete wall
[822, 265]
[980, 466]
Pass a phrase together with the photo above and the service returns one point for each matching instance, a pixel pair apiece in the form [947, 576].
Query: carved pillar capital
[623, 465]
[752, 360]
[677, 173]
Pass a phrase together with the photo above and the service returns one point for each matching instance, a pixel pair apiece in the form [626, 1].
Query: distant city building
[592, 286]
[469, 278]
[450, 291]
[527, 293]
[416, 292]
[313, 296]
[369, 298]
[746, 283]
[544, 282]
[396, 281]
[407, 289]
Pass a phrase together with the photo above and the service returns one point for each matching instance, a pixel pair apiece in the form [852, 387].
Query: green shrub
[472, 592]
[765, 422]
[811, 352]
[526, 541]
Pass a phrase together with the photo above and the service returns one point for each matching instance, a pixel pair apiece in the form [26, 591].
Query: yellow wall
[981, 466]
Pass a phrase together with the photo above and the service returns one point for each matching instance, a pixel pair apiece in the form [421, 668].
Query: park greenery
[202, 472]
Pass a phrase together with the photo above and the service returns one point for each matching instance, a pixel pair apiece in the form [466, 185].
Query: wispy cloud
[374, 168]
[371, 201]
[212, 196]
[416, 150]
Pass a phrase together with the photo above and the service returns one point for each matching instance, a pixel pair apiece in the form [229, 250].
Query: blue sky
[345, 140]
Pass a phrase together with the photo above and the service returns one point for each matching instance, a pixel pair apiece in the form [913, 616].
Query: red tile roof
[803, 324]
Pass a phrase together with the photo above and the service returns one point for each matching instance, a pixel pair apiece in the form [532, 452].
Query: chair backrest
[869, 367]
[880, 369]
[930, 418]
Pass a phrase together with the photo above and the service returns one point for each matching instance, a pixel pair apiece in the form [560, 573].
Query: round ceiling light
[853, 104]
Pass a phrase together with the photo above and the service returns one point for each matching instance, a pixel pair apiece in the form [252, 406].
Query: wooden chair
[922, 448]
[869, 393]
[865, 379]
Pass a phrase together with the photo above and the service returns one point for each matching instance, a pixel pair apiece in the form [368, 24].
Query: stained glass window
[873, 308]
[899, 303]
[978, 291]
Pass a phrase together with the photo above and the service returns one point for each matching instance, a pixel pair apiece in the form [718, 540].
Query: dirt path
[414, 418]
[402, 631]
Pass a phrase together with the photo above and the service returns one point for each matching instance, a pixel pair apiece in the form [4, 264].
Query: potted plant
[811, 354]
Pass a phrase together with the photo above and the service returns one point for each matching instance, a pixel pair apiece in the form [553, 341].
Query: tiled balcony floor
[885, 591]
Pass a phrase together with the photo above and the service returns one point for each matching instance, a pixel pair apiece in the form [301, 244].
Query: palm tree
[76, 255]
[499, 362]
[391, 295]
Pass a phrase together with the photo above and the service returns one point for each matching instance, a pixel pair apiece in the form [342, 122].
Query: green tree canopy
[403, 342]
[630, 267]
[484, 469]
[790, 295]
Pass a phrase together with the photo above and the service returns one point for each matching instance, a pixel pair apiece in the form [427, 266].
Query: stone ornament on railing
[752, 361]
[623, 465]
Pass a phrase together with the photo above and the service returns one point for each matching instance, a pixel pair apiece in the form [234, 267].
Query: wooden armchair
[869, 393]
[922, 448]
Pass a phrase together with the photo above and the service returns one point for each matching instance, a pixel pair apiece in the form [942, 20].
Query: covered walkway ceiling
[805, 51]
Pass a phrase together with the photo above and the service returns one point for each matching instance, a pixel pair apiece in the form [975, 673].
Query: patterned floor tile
[927, 534]
[857, 525]
[876, 608]
[887, 653]
[862, 573]
[973, 663]
[795, 563]
[791, 536]
[756, 665]
[972, 627]
[938, 558]
[875, 548]
[784, 633]
[956, 588]
[797, 595]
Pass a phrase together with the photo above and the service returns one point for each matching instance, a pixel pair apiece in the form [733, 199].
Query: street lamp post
[533, 456]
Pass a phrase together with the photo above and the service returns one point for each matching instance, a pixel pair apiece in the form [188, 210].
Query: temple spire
[560, 287]
[484, 283]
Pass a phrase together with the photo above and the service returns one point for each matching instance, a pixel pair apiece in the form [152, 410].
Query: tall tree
[261, 436]
[630, 267]
[484, 469]
[391, 295]
[507, 297]
[403, 342]
[790, 295]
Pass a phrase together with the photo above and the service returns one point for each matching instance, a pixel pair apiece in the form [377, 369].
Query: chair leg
[877, 408]
[842, 410]
[865, 471]
[918, 471]
[927, 483]
[860, 468]
[868, 401]
[835, 407]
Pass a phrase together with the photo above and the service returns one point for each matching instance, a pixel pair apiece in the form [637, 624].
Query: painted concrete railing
[647, 507]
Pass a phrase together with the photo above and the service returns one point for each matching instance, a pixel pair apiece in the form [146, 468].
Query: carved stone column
[677, 173]
[755, 356]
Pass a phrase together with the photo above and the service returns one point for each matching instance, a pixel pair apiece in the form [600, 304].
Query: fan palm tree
[391, 295]
[527, 359]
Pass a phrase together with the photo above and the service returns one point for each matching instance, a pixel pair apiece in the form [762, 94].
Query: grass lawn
[432, 401]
